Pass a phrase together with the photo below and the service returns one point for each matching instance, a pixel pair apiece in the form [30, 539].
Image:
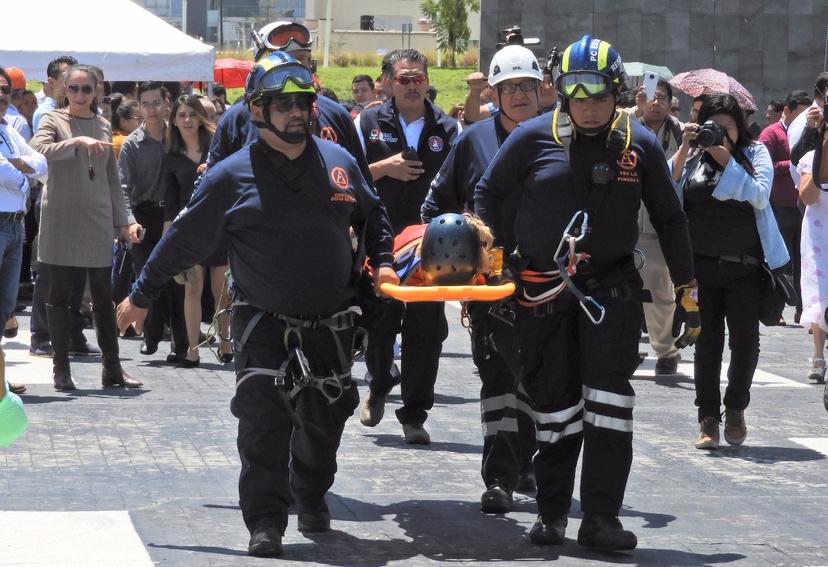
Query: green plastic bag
[13, 420]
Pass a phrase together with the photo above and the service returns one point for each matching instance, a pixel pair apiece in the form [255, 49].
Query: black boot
[605, 532]
[59, 330]
[107, 333]
[549, 532]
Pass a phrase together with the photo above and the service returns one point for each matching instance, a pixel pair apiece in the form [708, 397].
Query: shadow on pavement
[452, 400]
[768, 455]
[387, 440]
[681, 381]
[201, 549]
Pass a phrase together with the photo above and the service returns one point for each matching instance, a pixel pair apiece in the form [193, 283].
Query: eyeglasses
[5, 89]
[157, 103]
[85, 89]
[526, 86]
[583, 84]
[285, 103]
[283, 35]
[136, 117]
[406, 79]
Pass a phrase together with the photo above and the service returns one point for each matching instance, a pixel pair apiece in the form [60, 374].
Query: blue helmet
[590, 67]
[275, 74]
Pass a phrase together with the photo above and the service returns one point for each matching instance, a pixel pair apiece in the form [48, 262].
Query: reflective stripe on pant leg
[498, 413]
[552, 427]
[608, 410]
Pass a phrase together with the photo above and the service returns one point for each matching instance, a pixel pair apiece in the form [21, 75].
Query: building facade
[770, 46]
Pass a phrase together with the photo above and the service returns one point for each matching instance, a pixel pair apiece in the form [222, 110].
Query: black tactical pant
[282, 463]
[577, 377]
[508, 425]
[424, 328]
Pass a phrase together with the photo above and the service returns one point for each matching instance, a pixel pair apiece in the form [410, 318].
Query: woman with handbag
[724, 180]
[82, 209]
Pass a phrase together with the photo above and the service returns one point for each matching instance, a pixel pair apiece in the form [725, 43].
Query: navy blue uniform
[235, 130]
[577, 374]
[423, 325]
[287, 225]
[508, 428]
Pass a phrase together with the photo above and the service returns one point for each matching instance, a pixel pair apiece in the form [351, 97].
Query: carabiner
[601, 309]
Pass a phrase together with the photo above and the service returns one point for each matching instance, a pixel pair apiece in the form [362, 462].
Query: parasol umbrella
[711, 81]
[232, 73]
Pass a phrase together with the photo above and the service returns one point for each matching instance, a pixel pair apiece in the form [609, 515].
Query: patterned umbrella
[711, 81]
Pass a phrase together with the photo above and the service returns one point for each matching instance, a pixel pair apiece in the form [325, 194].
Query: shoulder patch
[339, 177]
[435, 144]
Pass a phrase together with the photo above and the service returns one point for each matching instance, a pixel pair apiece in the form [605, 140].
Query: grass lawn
[450, 83]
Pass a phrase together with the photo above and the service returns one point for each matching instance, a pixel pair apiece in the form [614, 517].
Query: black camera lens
[710, 134]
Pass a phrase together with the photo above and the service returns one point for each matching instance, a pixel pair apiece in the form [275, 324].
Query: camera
[513, 36]
[710, 134]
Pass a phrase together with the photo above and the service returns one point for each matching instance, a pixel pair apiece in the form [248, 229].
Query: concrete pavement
[149, 477]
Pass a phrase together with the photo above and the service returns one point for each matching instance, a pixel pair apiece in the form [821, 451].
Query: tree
[450, 19]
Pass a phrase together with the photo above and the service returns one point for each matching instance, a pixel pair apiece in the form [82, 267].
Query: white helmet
[514, 61]
[292, 36]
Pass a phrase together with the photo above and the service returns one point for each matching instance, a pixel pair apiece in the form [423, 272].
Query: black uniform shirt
[452, 190]
[533, 167]
[380, 127]
[286, 226]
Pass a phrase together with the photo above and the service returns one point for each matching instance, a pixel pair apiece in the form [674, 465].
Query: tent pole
[327, 33]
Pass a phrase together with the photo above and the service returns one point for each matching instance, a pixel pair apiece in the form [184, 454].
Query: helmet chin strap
[284, 135]
[503, 110]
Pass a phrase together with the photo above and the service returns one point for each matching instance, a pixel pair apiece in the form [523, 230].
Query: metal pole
[184, 16]
[327, 33]
[221, 24]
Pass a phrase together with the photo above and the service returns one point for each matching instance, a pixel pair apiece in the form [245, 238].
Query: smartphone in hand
[410, 154]
[650, 84]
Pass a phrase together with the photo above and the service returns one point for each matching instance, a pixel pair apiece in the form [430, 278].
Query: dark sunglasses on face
[85, 89]
[5, 89]
[286, 103]
[406, 79]
[525, 86]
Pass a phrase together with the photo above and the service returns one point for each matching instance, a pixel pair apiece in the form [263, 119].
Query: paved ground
[140, 478]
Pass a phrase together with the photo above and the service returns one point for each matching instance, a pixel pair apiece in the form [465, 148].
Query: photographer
[724, 181]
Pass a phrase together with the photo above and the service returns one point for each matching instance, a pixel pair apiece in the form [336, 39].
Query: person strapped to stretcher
[450, 258]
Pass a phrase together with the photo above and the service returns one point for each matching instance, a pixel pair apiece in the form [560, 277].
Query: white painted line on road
[818, 444]
[761, 378]
[71, 539]
[23, 368]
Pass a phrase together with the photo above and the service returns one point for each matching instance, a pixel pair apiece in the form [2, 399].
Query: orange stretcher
[411, 294]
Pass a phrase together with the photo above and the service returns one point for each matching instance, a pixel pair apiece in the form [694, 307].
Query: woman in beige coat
[82, 210]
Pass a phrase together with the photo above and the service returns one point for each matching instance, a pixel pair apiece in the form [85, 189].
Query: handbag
[777, 291]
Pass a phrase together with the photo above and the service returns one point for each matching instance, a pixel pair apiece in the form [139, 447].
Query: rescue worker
[285, 205]
[406, 140]
[508, 428]
[333, 123]
[582, 172]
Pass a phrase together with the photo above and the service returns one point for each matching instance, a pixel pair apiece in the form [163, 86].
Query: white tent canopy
[126, 41]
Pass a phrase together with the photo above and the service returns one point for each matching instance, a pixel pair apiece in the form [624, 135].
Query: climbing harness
[567, 260]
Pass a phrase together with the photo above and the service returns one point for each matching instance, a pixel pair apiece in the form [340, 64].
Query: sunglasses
[406, 79]
[85, 89]
[5, 89]
[285, 103]
[525, 86]
[283, 35]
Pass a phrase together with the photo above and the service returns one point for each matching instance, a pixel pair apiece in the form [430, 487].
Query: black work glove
[686, 314]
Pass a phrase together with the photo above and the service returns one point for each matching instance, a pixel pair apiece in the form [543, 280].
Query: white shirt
[40, 96]
[14, 184]
[795, 131]
[48, 105]
[412, 132]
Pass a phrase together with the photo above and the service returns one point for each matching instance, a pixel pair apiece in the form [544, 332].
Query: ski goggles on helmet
[289, 37]
[583, 84]
[286, 78]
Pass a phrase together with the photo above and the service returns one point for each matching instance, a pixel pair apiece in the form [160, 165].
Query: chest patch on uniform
[628, 163]
[374, 135]
[328, 133]
[339, 177]
[435, 143]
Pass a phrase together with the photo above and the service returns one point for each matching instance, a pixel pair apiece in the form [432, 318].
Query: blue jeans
[11, 256]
